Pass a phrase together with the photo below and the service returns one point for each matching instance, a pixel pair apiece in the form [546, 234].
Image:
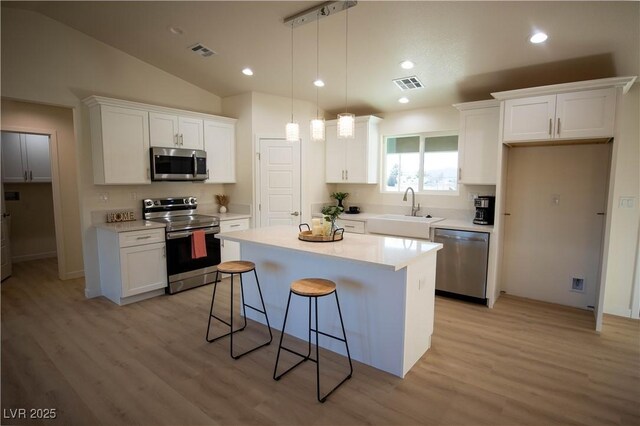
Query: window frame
[420, 190]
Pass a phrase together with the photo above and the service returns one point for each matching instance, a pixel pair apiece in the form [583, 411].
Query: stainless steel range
[179, 216]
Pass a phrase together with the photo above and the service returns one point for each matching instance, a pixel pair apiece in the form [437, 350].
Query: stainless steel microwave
[178, 164]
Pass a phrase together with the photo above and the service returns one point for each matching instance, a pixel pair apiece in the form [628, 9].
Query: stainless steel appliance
[179, 216]
[485, 209]
[178, 164]
[461, 268]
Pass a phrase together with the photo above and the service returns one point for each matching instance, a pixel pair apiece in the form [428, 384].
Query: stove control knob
[157, 202]
[193, 200]
[148, 203]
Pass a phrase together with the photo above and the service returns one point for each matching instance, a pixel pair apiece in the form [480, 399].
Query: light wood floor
[523, 362]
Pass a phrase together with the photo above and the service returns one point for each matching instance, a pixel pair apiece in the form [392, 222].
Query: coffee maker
[485, 209]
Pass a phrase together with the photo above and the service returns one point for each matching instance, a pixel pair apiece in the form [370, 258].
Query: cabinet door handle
[181, 139]
[342, 174]
[558, 127]
[459, 173]
[346, 174]
[348, 226]
[146, 237]
[550, 124]
[177, 139]
[234, 226]
[164, 251]
[25, 175]
[31, 175]
[295, 214]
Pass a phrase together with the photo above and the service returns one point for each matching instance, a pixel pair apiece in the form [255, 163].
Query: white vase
[223, 209]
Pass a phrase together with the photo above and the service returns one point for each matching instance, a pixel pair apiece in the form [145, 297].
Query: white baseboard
[73, 275]
[621, 312]
[36, 256]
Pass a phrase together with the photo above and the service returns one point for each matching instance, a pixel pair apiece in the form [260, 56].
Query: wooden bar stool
[237, 267]
[313, 288]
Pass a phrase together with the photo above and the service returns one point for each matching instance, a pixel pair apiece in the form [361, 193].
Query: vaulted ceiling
[462, 50]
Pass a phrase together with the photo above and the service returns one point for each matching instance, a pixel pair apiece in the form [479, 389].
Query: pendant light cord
[292, 71]
[346, 58]
[317, 61]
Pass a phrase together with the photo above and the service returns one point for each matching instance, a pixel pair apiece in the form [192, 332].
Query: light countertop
[135, 225]
[394, 252]
[231, 216]
[463, 225]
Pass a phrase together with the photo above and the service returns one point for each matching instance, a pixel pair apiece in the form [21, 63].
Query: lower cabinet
[354, 226]
[230, 250]
[133, 264]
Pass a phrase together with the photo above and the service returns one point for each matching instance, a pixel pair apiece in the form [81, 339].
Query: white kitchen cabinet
[132, 264]
[220, 145]
[354, 226]
[576, 115]
[478, 142]
[353, 160]
[25, 158]
[120, 143]
[230, 250]
[174, 131]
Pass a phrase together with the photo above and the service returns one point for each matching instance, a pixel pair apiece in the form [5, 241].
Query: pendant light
[292, 130]
[317, 124]
[346, 121]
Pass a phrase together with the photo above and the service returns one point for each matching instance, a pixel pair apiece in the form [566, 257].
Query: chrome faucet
[414, 209]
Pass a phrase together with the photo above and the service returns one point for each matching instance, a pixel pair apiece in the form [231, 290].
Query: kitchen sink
[401, 226]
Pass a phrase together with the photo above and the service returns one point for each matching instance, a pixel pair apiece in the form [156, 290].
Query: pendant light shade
[346, 121]
[292, 131]
[346, 125]
[317, 129]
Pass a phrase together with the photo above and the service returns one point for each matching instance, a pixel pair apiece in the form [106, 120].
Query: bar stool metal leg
[307, 357]
[244, 310]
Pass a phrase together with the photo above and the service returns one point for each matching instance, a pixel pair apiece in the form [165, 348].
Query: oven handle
[176, 235]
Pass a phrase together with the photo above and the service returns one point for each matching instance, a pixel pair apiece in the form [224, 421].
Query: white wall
[624, 222]
[546, 245]
[269, 114]
[437, 119]
[44, 61]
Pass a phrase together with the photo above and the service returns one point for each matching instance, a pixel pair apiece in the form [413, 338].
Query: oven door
[180, 264]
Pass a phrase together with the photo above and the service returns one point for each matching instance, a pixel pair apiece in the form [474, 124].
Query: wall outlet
[134, 195]
[473, 196]
[577, 285]
[626, 202]
[555, 200]
[103, 196]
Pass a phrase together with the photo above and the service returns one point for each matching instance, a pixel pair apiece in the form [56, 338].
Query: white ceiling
[462, 50]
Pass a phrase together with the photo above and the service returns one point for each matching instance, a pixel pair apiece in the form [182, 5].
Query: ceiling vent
[408, 83]
[202, 50]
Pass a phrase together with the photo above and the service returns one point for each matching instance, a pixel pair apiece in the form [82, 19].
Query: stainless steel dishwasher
[462, 264]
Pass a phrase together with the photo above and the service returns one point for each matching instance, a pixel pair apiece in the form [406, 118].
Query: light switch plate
[626, 202]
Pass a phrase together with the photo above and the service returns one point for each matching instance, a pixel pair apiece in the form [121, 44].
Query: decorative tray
[336, 235]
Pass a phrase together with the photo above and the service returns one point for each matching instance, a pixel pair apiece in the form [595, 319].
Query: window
[426, 162]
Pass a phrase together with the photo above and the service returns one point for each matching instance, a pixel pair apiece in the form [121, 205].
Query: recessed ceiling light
[318, 83]
[403, 100]
[407, 65]
[176, 30]
[247, 71]
[538, 37]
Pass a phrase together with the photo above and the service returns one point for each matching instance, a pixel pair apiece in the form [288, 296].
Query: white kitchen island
[386, 288]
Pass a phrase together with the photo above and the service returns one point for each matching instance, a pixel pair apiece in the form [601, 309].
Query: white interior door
[279, 182]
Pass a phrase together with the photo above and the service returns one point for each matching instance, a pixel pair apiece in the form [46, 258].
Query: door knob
[6, 214]
[295, 214]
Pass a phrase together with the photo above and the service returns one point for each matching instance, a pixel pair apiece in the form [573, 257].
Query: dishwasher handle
[455, 237]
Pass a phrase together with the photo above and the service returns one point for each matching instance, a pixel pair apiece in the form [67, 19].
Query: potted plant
[340, 196]
[331, 213]
[223, 202]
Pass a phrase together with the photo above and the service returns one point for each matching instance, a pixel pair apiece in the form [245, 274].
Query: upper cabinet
[569, 111]
[25, 158]
[478, 142]
[220, 144]
[122, 133]
[353, 160]
[120, 144]
[174, 131]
